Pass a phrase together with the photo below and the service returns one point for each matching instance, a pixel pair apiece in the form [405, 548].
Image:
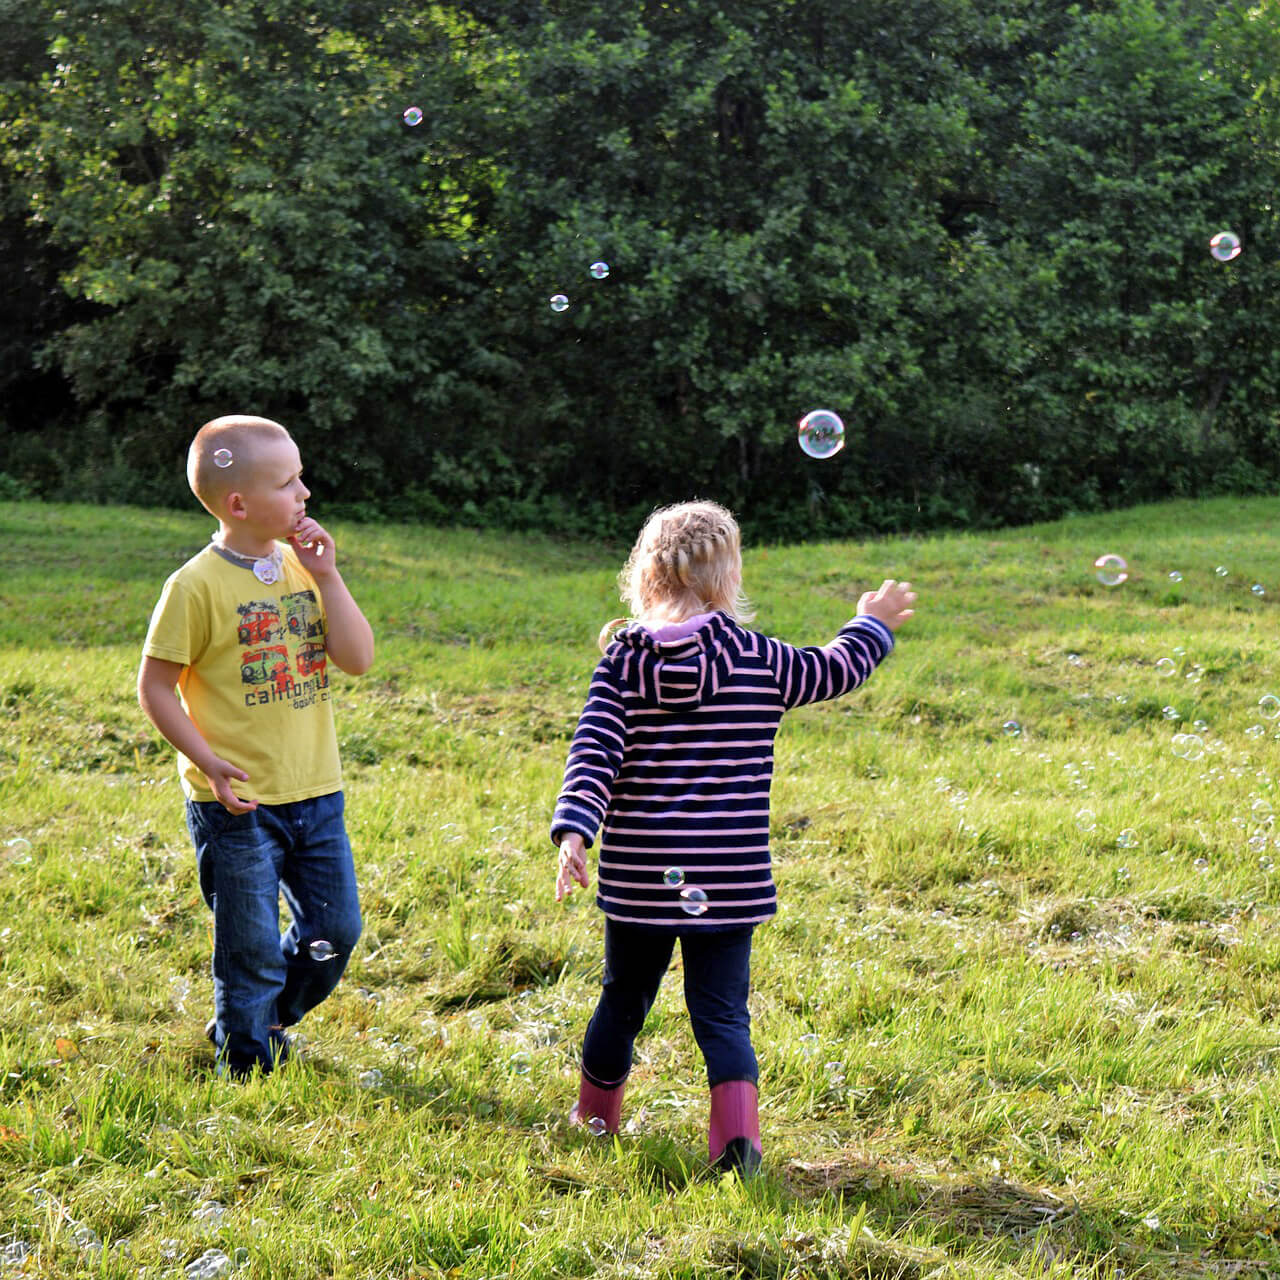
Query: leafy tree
[250, 223]
[977, 230]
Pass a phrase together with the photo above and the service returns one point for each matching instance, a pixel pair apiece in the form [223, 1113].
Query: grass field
[1017, 1015]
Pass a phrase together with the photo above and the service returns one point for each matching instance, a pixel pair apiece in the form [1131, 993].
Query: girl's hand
[573, 866]
[890, 605]
[313, 546]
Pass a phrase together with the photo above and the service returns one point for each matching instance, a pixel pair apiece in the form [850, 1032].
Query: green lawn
[1017, 1014]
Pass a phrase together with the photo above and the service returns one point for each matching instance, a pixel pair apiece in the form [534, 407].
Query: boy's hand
[573, 866]
[220, 776]
[313, 546]
[890, 605]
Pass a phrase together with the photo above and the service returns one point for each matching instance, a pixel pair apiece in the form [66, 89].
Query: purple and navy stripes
[672, 762]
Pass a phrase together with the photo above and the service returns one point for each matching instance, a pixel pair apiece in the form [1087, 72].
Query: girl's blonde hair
[687, 560]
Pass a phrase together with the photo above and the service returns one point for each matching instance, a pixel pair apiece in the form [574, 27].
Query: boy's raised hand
[573, 866]
[314, 547]
[891, 604]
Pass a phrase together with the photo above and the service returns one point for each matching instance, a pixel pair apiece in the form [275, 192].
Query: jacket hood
[679, 673]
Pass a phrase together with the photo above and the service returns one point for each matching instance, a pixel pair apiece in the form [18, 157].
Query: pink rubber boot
[733, 1138]
[598, 1109]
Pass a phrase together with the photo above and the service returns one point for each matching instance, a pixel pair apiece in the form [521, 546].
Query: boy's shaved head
[223, 455]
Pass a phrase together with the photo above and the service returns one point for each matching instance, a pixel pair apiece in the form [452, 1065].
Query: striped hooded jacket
[672, 762]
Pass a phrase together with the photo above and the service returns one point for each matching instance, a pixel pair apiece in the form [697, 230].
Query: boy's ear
[233, 505]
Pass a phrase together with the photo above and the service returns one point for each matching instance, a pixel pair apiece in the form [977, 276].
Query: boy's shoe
[597, 1109]
[243, 1073]
[733, 1136]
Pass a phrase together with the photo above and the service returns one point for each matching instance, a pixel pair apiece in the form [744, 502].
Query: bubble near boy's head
[687, 560]
[223, 454]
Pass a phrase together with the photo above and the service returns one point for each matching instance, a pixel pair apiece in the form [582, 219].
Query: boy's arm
[348, 635]
[156, 680]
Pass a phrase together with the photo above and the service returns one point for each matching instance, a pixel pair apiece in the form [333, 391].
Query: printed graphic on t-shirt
[268, 665]
[259, 622]
[304, 614]
[267, 669]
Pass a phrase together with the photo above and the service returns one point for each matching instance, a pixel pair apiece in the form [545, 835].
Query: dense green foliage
[997, 1040]
[977, 229]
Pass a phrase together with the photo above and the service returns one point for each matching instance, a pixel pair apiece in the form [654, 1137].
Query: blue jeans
[717, 978]
[263, 982]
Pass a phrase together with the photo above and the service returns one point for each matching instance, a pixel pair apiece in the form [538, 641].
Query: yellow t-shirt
[255, 677]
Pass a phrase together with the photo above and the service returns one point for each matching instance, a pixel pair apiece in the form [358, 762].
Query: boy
[245, 631]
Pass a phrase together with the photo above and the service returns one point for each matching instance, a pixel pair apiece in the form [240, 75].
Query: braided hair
[687, 560]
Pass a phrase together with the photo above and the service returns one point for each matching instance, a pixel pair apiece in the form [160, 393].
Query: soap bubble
[1122, 873]
[599, 270]
[1171, 713]
[1255, 731]
[597, 1126]
[322, 950]
[1201, 726]
[1175, 576]
[1269, 705]
[1261, 808]
[208, 1266]
[1012, 728]
[1127, 839]
[693, 901]
[222, 458]
[1166, 667]
[1188, 746]
[1225, 246]
[370, 1079]
[412, 116]
[673, 877]
[559, 302]
[210, 1214]
[821, 433]
[809, 1043]
[1201, 864]
[1111, 570]
[86, 1238]
[1086, 820]
[1258, 589]
[18, 850]
[519, 1063]
[1221, 571]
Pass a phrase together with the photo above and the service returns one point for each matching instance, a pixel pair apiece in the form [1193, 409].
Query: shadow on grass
[1031, 1228]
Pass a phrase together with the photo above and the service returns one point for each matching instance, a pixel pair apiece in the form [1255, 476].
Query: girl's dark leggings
[717, 977]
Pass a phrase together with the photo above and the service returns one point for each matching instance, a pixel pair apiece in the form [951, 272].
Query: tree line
[977, 229]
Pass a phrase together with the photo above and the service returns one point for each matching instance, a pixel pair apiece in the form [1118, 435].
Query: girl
[673, 754]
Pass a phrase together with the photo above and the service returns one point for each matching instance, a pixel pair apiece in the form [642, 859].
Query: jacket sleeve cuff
[865, 622]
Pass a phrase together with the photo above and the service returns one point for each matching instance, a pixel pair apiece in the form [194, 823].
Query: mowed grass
[997, 1037]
